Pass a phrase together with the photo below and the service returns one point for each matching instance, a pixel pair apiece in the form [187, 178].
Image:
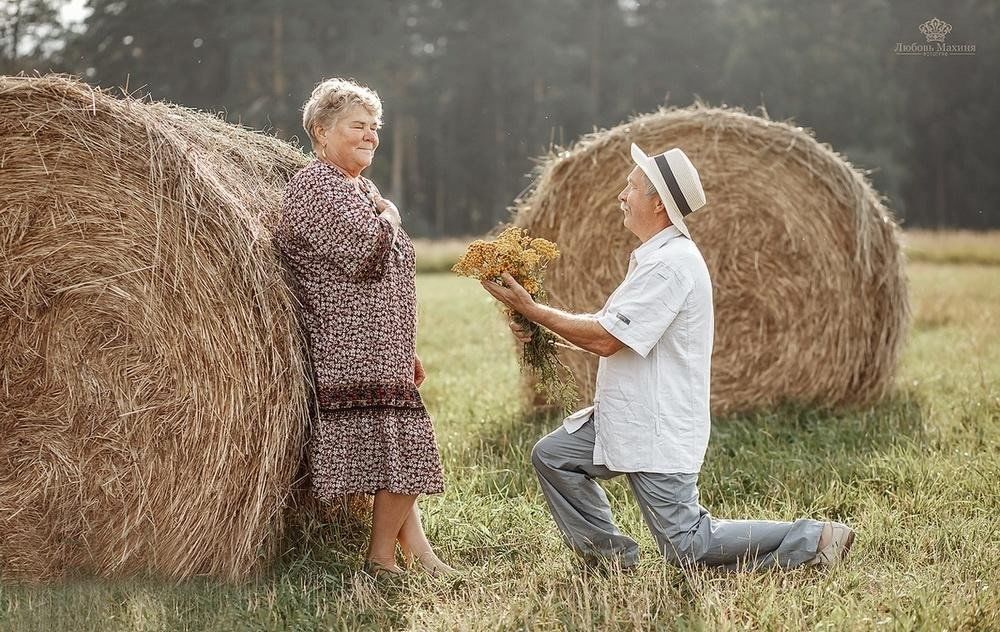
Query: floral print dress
[359, 310]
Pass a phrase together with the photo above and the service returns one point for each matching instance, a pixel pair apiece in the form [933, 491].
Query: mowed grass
[918, 476]
[953, 246]
[438, 255]
[920, 245]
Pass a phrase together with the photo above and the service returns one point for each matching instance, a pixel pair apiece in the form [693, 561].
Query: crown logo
[935, 29]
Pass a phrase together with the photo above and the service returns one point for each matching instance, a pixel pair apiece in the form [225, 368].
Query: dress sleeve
[645, 305]
[330, 220]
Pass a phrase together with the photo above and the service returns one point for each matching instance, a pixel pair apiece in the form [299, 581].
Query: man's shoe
[605, 567]
[839, 538]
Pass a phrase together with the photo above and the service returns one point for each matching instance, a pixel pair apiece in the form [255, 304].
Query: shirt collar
[655, 242]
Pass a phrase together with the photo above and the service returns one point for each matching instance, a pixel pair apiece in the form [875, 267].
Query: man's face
[638, 208]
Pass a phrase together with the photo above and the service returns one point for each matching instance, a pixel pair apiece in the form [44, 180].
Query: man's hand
[581, 330]
[511, 294]
[522, 334]
[419, 375]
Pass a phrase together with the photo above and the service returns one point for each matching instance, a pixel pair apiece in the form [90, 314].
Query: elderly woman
[354, 268]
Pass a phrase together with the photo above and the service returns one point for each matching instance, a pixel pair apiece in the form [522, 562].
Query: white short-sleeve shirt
[651, 402]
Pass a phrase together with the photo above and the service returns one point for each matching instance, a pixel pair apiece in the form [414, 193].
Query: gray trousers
[685, 532]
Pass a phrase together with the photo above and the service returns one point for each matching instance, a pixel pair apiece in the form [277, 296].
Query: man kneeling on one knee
[650, 416]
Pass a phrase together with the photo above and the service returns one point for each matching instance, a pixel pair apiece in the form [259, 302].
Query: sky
[74, 11]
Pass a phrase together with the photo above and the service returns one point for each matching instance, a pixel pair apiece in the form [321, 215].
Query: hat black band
[675, 189]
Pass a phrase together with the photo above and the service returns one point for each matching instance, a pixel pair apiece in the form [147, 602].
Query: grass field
[918, 476]
[958, 246]
[921, 246]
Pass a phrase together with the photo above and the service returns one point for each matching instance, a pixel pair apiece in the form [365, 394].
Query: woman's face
[351, 141]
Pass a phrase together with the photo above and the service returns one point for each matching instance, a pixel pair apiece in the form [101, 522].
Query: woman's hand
[386, 209]
[419, 375]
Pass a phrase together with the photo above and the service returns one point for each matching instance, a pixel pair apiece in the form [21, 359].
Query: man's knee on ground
[540, 454]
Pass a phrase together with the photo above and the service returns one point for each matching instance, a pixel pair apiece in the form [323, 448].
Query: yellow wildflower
[525, 258]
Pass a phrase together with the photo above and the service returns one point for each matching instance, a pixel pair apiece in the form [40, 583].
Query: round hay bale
[811, 300]
[153, 385]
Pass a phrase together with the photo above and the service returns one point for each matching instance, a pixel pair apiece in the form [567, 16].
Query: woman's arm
[338, 226]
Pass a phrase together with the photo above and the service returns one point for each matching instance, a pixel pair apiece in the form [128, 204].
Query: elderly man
[650, 415]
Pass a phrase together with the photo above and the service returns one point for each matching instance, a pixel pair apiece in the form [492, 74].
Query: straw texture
[811, 299]
[152, 384]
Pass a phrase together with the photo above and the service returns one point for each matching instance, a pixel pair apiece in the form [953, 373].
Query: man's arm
[581, 330]
[524, 336]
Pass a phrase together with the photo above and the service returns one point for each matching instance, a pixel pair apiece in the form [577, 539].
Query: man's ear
[660, 207]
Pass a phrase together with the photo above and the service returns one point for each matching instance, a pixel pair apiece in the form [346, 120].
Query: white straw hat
[676, 180]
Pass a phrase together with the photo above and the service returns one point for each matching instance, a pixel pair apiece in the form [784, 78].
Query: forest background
[474, 92]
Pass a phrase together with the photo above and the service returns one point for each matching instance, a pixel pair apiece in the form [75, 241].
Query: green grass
[439, 255]
[918, 476]
[921, 246]
[953, 246]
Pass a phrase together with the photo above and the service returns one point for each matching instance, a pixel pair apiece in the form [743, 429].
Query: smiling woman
[354, 268]
[342, 119]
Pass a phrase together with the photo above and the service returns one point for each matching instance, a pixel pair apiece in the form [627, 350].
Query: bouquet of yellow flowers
[524, 258]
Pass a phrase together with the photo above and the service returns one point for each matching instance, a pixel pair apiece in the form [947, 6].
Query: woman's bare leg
[388, 514]
[416, 548]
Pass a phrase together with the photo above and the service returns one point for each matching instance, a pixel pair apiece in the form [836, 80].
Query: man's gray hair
[650, 189]
[331, 99]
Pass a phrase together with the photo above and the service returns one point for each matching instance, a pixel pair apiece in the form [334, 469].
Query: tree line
[474, 91]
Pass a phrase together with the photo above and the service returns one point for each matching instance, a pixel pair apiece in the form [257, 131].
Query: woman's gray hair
[332, 98]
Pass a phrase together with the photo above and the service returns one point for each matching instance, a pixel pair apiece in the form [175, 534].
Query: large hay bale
[152, 383]
[811, 298]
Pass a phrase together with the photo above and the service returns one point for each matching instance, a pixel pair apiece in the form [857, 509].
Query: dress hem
[370, 492]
